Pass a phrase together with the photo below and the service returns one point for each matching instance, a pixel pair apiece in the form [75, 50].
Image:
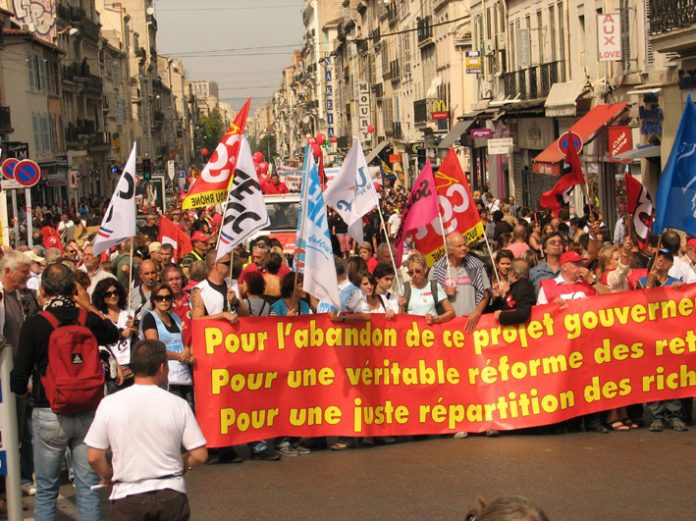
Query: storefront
[601, 173]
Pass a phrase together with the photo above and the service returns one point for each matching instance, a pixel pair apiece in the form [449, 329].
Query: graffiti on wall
[38, 15]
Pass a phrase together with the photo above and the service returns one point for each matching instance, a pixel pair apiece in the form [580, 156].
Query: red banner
[457, 208]
[212, 185]
[306, 376]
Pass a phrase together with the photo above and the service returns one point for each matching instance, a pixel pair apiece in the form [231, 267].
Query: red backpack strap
[82, 317]
[51, 319]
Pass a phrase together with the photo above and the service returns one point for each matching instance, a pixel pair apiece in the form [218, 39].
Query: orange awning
[548, 162]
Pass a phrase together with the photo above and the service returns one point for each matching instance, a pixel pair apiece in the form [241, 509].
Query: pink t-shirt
[518, 248]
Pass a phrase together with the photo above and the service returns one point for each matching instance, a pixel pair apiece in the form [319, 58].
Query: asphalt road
[636, 476]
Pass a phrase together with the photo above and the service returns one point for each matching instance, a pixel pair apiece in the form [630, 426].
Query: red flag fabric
[459, 213]
[170, 233]
[421, 208]
[212, 185]
[558, 196]
[640, 208]
[51, 238]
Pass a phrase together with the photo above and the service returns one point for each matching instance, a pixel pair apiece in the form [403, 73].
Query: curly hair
[100, 290]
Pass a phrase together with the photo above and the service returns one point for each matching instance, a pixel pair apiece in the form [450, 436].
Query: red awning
[548, 162]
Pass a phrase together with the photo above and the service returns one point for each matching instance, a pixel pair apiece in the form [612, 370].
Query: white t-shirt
[394, 222]
[422, 302]
[145, 426]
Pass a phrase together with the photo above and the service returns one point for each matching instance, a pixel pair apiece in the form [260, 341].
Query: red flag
[212, 185]
[421, 208]
[640, 208]
[459, 213]
[170, 233]
[51, 238]
[558, 196]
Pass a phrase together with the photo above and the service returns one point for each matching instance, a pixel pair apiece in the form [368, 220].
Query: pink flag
[421, 208]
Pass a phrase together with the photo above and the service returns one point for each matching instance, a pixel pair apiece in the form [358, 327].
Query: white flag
[319, 268]
[352, 193]
[246, 211]
[119, 221]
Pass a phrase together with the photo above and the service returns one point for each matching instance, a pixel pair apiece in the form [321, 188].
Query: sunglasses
[109, 294]
[163, 298]
[226, 263]
[70, 251]
[411, 272]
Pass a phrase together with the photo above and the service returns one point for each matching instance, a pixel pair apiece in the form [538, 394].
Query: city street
[637, 476]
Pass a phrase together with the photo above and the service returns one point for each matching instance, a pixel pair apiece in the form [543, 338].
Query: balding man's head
[149, 275]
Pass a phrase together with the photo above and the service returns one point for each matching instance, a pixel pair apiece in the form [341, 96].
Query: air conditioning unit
[486, 90]
[489, 47]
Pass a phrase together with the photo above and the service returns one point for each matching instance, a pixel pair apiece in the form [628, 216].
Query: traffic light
[147, 169]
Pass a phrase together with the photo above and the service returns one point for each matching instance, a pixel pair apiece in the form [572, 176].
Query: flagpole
[490, 254]
[130, 275]
[444, 240]
[391, 253]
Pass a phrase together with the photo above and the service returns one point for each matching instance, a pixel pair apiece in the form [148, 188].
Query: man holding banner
[465, 280]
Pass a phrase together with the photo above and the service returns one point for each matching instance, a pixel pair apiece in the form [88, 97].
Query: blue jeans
[52, 434]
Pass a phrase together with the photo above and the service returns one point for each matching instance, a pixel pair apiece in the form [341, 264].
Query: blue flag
[298, 259]
[675, 204]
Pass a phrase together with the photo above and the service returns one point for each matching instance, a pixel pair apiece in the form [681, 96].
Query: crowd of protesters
[537, 258]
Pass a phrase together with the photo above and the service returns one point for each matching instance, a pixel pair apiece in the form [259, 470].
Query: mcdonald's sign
[439, 110]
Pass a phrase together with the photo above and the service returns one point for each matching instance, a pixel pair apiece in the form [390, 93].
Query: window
[43, 74]
[33, 68]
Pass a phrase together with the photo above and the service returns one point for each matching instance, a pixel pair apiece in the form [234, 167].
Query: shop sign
[481, 133]
[472, 60]
[439, 110]
[501, 145]
[609, 37]
[620, 140]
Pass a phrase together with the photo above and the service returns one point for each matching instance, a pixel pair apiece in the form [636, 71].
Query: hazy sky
[252, 39]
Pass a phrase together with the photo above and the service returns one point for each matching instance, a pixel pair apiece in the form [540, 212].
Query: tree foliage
[211, 128]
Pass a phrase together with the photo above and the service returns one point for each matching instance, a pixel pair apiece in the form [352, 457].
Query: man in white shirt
[92, 266]
[146, 428]
[681, 269]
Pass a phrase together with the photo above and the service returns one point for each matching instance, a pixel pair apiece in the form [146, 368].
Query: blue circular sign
[569, 139]
[27, 173]
[8, 167]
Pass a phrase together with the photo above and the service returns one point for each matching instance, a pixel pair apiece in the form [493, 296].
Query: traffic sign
[8, 167]
[569, 139]
[27, 173]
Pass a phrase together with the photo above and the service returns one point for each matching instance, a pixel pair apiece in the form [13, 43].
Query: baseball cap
[691, 243]
[571, 256]
[199, 236]
[34, 257]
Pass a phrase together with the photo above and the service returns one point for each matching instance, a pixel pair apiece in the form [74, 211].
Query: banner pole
[397, 278]
[490, 254]
[130, 276]
[444, 240]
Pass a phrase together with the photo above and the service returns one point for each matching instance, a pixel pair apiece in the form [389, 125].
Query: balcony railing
[394, 70]
[85, 126]
[425, 31]
[421, 111]
[671, 15]
[378, 89]
[534, 82]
